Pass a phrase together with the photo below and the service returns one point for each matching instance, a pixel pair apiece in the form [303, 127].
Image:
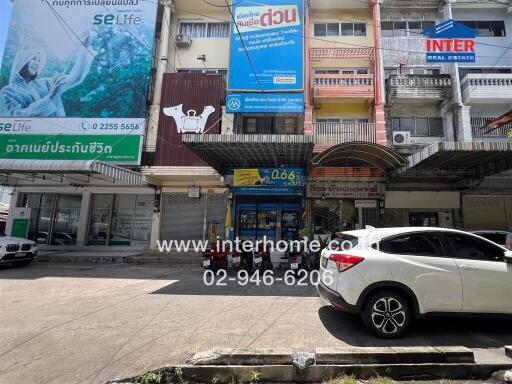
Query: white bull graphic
[189, 123]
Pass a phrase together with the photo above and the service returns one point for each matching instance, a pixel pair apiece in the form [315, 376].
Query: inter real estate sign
[450, 42]
[74, 80]
[267, 48]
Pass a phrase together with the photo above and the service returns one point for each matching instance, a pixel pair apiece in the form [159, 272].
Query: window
[333, 29]
[320, 29]
[487, 28]
[423, 219]
[472, 248]
[343, 71]
[205, 30]
[411, 71]
[404, 28]
[496, 237]
[339, 29]
[418, 126]
[415, 244]
[468, 71]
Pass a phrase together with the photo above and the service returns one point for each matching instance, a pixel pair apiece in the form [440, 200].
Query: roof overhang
[359, 154]
[67, 172]
[455, 161]
[253, 150]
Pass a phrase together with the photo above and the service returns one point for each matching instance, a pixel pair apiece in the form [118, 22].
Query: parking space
[75, 323]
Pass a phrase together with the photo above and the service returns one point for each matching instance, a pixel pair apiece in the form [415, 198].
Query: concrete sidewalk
[89, 323]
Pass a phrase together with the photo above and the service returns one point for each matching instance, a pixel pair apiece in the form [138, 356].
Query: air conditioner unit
[401, 138]
[183, 40]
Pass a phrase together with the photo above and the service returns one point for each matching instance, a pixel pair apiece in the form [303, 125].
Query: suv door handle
[467, 267]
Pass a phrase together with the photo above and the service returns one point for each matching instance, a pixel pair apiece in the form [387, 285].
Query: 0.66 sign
[278, 177]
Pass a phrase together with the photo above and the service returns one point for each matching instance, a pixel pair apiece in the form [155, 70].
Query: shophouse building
[268, 119]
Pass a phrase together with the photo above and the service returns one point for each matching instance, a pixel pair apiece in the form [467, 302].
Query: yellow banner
[247, 178]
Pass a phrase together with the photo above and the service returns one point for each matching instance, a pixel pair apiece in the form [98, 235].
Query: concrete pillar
[161, 68]
[83, 222]
[463, 123]
[308, 121]
[12, 205]
[308, 113]
[461, 127]
[378, 106]
[155, 224]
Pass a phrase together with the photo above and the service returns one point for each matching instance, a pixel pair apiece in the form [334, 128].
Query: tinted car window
[468, 247]
[415, 244]
[343, 242]
[498, 238]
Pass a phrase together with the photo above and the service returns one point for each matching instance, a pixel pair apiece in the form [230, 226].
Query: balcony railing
[346, 85]
[338, 133]
[478, 122]
[486, 87]
[420, 87]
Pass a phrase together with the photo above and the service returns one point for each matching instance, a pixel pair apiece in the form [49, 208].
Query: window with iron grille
[418, 126]
[328, 28]
[204, 30]
[404, 28]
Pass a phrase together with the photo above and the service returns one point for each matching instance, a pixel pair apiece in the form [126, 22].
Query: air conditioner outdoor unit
[183, 40]
[401, 138]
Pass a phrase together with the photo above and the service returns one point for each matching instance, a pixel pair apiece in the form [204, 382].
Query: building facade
[308, 118]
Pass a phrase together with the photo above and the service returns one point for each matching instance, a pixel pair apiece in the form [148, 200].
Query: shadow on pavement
[230, 286]
[452, 331]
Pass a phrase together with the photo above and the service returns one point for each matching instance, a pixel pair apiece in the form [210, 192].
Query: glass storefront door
[66, 218]
[120, 220]
[54, 217]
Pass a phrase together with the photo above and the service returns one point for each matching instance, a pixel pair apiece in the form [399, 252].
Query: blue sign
[265, 103]
[450, 42]
[267, 48]
[269, 191]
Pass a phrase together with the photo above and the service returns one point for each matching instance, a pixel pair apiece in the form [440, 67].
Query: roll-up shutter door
[183, 217]
[486, 212]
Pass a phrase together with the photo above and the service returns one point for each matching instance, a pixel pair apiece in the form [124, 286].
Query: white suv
[391, 275]
[17, 251]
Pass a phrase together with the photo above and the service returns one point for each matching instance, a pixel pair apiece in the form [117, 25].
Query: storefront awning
[453, 161]
[359, 154]
[69, 172]
[241, 150]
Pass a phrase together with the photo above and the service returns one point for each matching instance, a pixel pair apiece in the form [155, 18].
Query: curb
[319, 373]
[336, 356]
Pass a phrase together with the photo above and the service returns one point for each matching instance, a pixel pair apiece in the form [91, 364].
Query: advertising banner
[271, 33]
[265, 102]
[74, 80]
[346, 190]
[265, 177]
[450, 42]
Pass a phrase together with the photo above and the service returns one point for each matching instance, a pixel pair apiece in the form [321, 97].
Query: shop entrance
[276, 217]
[54, 217]
[333, 215]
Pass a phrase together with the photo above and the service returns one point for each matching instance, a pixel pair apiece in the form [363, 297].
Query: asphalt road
[75, 323]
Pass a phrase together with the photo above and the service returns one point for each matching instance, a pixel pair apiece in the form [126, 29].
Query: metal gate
[185, 218]
[487, 212]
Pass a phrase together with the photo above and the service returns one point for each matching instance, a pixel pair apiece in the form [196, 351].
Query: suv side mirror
[508, 256]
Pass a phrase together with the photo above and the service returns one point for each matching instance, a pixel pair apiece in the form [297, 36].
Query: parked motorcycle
[215, 258]
[262, 256]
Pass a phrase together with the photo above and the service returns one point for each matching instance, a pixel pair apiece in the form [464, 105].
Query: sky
[5, 15]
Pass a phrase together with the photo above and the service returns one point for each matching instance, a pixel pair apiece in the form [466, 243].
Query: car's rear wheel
[387, 314]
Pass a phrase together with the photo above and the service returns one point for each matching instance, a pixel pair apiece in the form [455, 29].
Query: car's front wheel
[387, 314]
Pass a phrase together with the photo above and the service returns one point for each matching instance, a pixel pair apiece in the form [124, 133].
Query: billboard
[74, 80]
[265, 102]
[269, 177]
[271, 33]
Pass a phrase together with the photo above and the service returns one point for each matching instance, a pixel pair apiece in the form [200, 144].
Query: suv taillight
[344, 262]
